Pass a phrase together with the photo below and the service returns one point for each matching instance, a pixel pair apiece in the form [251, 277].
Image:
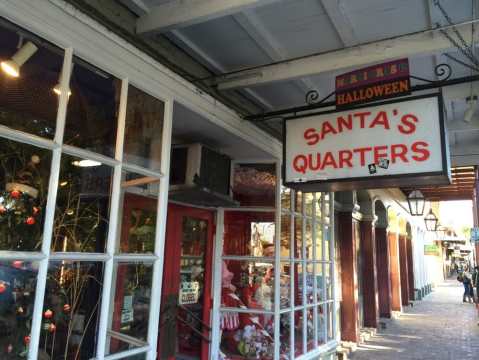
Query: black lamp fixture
[431, 221]
[416, 202]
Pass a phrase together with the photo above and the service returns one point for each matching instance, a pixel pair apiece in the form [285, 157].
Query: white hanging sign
[395, 143]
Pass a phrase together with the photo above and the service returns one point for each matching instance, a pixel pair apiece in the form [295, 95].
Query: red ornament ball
[3, 287]
[17, 264]
[52, 328]
[27, 339]
[48, 314]
[66, 308]
[15, 194]
[30, 220]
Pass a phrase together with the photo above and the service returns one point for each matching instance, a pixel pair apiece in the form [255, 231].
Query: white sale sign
[389, 141]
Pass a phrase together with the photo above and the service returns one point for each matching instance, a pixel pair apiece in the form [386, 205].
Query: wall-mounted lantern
[416, 202]
[431, 221]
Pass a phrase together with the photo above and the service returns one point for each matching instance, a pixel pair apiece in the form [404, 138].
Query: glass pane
[285, 236]
[285, 336]
[298, 333]
[308, 239]
[249, 233]
[298, 203]
[329, 281]
[298, 284]
[28, 101]
[327, 243]
[249, 337]
[248, 284]
[319, 281]
[24, 176]
[17, 295]
[308, 203]
[285, 198]
[71, 310]
[92, 112]
[83, 206]
[138, 213]
[330, 329]
[321, 323]
[319, 240]
[310, 328]
[143, 129]
[285, 285]
[309, 283]
[131, 306]
[255, 184]
[298, 237]
[317, 211]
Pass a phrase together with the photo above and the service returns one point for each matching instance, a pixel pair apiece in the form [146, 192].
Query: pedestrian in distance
[464, 279]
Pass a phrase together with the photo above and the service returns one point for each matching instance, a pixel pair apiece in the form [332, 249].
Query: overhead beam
[340, 20]
[180, 13]
[362, 54]
[139, 7]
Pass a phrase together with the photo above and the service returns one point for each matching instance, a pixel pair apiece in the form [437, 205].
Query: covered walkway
[440, 327]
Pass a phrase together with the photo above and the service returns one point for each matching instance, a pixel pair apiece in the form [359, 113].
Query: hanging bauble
[3, 209]
[19, 310]
[36, 210]
[27, 339]
[3, 287]
[48, 314]
[15, 194]
[35, 159]
[66, 308]
[52, 328]
[9, 348]
[17, 264]
[30, 220]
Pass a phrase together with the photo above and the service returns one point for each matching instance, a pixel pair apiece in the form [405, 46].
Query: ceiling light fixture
[86, 163]
[12, 66]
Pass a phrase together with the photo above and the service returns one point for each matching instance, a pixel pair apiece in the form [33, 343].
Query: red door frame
[171, 266]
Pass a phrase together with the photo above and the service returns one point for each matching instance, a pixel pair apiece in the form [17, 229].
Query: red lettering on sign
[380, 152]
[327, 128]
[311, 136]
[399, 151]
[313, 166]
[380, 119]
[408, 125]
[329, 161]
[362, 154]
[345, 158]
[345, 123]
[362, 117]
[420, 147]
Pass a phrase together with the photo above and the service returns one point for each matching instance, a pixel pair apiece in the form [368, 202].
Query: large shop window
[80, 156]
[252, 253]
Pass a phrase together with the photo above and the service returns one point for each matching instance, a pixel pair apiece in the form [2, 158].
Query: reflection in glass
[249, 233]
[285, 337]
[252, 338]
[285, 285]
[329, 281]
[298, 333]
[131, 305]
[138, 226]
[298, 284]
[255, 184]
[318, 240]
[143, 129]
[17, 295]
[309, 283]
[24, 176]
[298, 237]
[92, 111]
[248, 284]
[70, 310]
[330, 329]
[285, 198]
[298, 202]
[285, 236]
[321, 324]
[308, 239]
[319, 281]
[27, 102]
[308, 203]
[83, 206]
[327, 244]
[310, 328]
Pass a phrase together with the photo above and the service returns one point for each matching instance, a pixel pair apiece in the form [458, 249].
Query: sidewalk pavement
[440, 327]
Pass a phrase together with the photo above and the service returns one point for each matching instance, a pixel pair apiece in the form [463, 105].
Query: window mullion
[154, 314]
[50, 208]
[113, 227]
[277, 264]
[333, 260]
[315, 281]
[323, 265]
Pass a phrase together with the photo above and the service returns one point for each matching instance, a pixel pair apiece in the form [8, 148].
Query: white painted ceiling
[287, 29]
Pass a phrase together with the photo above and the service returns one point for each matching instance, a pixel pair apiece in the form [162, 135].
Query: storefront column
[369, 272]
[349, 282]
[403, 264]
[393, 239]
[410, 267]
[383, 272]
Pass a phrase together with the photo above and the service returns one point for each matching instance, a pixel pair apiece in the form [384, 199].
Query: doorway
[186, 293]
